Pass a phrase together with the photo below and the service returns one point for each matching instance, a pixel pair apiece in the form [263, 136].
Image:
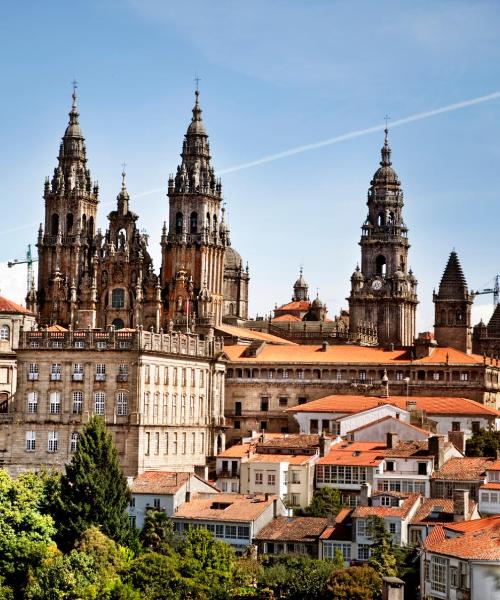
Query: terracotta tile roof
[364, 454]
[342, 528]
[298, 305]
[475, 525]
[490, 486]
[287, 440]
[161, 482]
[57, 329]
[495, 466]
[236, 451]
[297, 529]
[340, 354]
[293, 459]
[410, 448]
[225, 507]
[479, 543]
[388, 511]
[285, 318]
[7, 306]
[432, 405]
[249, 334]
[463, 469]
[389, 418]
[437, 510]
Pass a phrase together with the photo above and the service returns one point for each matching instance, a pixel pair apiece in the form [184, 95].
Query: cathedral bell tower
[193, 249]
[384, 292]
[66, 241]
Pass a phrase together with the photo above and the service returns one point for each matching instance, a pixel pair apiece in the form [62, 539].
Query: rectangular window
[259, 478]
[30, 441]
[453, 577]
[237, 424]
[237, 409]
[157, 442]
[184, 437]
[231, 532]
[271, 479]
[32, 402]
[122, 372]
[464, 376]
[301, 400]
[264, 404]
[399, 375]
[389, 465]
[157, 374]
[439, 571]
[219, 531]
[476, 426]
[300, 374]
[166, 442]
[422, 468]
[121, 404]
[286, 374]
[55, 403]
[156, 503]
[99, 402]
[455, 425]
[243, 532]
[361, 527]
[175, 448]
[463, 573]
[33, 372]
[101, 345]
[53, 441]
[295, 476]
[295, 499]
[77, 403]
[363, 551]
[147, 443]
[193, 443]
[78, 372]
[362, 375]
[55, 372]
[263, 425]
[313, 426]
[202, 379]
[79, 345]
[392, 528]
[146, 373]
[436, 376]
[100, 372]
[183, 375]
[73, 441]
[283, 401]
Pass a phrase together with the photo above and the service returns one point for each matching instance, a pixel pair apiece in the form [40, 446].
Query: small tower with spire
[66, 240]
[300, 289]
[452, 308]
[193, 250]
[384, 290]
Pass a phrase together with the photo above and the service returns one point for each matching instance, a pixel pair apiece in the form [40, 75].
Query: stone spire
[123, 197]
[195, 174]
[300, 289]
[72, 174]
[453, 284]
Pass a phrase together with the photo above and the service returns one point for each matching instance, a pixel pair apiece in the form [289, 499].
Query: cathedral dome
[316, 303]
[301, 282]
[232, 260]
[357, 275]
[73, 130]
[197, 128]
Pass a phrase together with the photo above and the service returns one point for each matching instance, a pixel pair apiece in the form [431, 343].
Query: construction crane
[495, 290]
[30, 282]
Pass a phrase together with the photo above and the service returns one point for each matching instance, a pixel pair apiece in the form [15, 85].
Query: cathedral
[88, 279]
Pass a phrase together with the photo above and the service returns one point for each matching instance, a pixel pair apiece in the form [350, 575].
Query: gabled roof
[480, 540]
[432, 405]
[388, 511]
[467, 468]
[236, 451]
[341, 530]
[363, 454]
[286, 317]
[162, 482]
[493, 326]
[392, 419]
[225, 507]
[297, 529]
[301, 305]
[438, 510]
[10, 307]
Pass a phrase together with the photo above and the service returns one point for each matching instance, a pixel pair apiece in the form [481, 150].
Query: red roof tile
[482, 542]
[285, 318]
[490, 486]
[7, 306]
[161, 482]
[299, 529]
[249, 334]
[225, 507]
[443, 509]
[463, 469]
[388, 511]
[368, 454]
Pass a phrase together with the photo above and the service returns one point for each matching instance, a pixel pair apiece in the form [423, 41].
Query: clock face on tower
[377, 284]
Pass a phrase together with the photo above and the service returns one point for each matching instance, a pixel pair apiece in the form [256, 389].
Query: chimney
[460, 505]
[436, 448]
[324, 346]
[266, 496]
[424, 344]
[392, 440]
[364, 494]
[275, 508]
[393, 588]
[411, 405]
[324, 444]
[457, 438]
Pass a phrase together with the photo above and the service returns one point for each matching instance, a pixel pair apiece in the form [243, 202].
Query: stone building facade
[384, 289]
[87, 279]
[161, 396]
[262, 383]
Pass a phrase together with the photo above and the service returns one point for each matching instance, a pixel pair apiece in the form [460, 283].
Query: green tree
[355, 583]
[325, 502]
[156, 576]
[483, 443]
[382, 556]
[94, 490]
[158, 530]
[25, 533]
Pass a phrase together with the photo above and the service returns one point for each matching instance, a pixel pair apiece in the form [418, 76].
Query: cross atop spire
[124, 164]
[197, 82]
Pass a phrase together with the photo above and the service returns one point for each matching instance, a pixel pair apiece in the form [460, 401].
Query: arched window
[91, 226]
[208, 219]
[118, 298]
[121, 403]
[4, 333]
[84, 224]
[215, 221]
[118, 324]
[380, 265]
[380, 219]
[73, 441]
[54, 224]
[69, 223]
[179, 222]
[194, 222]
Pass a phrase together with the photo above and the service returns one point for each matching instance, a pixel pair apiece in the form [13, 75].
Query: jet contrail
[327, 142]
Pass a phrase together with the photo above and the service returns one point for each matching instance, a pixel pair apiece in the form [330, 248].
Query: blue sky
[274, 75]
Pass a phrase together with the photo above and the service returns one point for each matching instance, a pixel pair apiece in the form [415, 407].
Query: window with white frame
[77, 403]
[165, 407]
[361, 528]
[174, 448]
[330, 548]
[464, 376]
[453, 577]
[271, 479]
[30, 441]
[32, 402]
[259, 478]
[202, 443]
[300, 374]
[463, 575]
[99, 403]
[184, 438]
[295, 476]
[439, 574]
[55, 372]
[73, 441]
[4, 333]
[295, 499]
[79, 344]
[202, 378]
[121, 403]
[399, 375]
[57, 344]
[78, 372]
[33, 371]
[55, 403]
[392, 528]
[53, 441]
[363, 551]
[100, 372]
